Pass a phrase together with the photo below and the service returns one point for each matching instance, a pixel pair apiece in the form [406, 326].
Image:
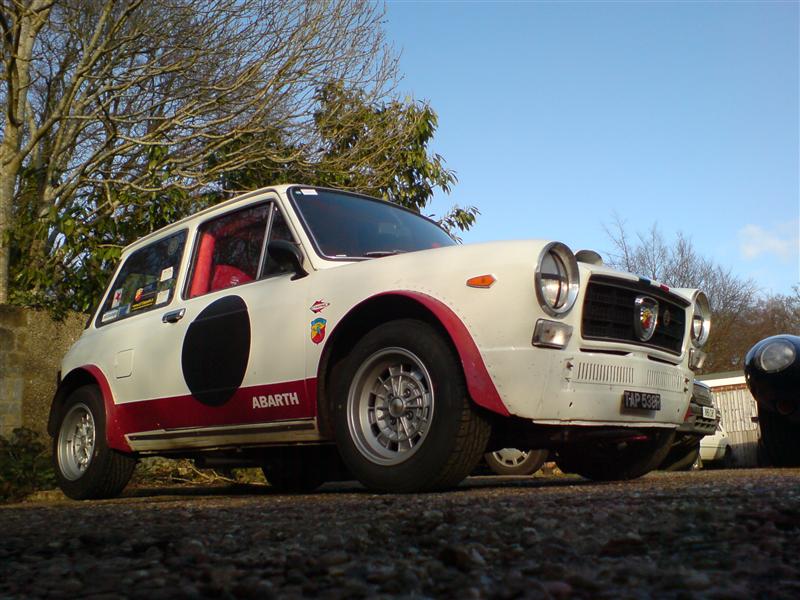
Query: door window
[232, 249]
[146, 280]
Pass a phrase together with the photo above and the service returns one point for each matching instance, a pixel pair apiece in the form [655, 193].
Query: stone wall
[31, 348]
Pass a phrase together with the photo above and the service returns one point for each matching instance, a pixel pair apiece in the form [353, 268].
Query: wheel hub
[390, 406]
[76, 442]
[396, 406]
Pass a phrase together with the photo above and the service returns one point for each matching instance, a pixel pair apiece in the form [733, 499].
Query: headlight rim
[701, 307]
[567, 257]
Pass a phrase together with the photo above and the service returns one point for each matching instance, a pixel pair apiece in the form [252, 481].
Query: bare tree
[735, 303]
[106, 98]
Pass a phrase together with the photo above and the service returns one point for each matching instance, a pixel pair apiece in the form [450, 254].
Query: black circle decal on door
[216, 350]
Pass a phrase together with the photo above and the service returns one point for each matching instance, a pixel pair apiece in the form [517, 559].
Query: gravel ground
[706, 534]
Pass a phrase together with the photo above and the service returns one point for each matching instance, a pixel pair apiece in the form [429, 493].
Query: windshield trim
[290, 194]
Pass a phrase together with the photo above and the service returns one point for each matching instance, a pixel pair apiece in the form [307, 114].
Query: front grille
[609, 313]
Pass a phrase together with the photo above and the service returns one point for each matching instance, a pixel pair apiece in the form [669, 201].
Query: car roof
[231, 201]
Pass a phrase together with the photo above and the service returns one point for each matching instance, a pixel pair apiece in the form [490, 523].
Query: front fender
[90, 375]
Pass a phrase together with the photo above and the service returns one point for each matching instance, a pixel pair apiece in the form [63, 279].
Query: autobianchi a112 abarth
[324, 335]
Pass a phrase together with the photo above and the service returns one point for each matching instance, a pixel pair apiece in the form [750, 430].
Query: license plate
[641, 400]
[709, 413]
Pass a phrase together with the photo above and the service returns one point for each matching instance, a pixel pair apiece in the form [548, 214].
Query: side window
[228, 250]
[146, 280]
[279, 231]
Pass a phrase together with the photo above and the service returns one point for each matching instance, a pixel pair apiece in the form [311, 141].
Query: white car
[294, 326]
[716, 448]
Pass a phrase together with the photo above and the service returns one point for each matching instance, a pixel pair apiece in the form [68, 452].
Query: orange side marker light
[481, 281]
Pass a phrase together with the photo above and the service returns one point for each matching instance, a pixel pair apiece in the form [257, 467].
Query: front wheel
[85, 466]
[510, 461]
[402, 417]
[615, 460]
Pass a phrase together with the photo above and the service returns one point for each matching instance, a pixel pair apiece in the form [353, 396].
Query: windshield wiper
[380, 253]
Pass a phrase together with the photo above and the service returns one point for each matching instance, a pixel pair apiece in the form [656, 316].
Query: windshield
[348, 226]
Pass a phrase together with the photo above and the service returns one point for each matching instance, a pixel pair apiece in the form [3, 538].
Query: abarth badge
[645, 317]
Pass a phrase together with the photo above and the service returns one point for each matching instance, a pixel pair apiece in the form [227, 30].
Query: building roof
[721, 379]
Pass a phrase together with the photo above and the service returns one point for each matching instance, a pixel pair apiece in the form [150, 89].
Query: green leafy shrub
[25, 465]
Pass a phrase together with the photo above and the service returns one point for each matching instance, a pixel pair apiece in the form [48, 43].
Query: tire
[287, 481]
[300, 470]
[615, 461]
[681, 458]
[85, 467]
[510, 461]
[728, 459]
[780, 438]
[402, 418]
[684, 463]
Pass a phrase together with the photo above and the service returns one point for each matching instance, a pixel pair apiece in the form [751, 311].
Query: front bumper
[552, 387]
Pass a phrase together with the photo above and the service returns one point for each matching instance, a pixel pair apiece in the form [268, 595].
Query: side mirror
[287, 255]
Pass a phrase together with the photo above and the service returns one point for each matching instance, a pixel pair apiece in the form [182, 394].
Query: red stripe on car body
[180, 412]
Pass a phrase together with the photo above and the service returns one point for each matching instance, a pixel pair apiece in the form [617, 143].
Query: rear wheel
[615, 460]
[291, 476]
[402, 417]
[510, 461]
[85, 466]
[781, 439]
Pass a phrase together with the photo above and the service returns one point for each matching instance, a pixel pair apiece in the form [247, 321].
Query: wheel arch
[390, 306]
[88, 375]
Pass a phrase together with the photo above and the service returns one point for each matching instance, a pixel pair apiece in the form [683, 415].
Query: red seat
[226, 276]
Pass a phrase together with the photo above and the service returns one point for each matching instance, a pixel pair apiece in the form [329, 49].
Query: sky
[557, 116]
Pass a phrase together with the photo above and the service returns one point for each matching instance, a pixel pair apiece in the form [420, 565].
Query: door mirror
[288, 256]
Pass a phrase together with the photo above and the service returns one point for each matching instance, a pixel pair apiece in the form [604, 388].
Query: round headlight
[557, 279]
[701, 320]
[776, 356]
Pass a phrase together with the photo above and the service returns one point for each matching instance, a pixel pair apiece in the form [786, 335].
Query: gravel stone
[724, 534]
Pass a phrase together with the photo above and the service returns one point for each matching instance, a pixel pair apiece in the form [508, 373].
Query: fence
[738, 408]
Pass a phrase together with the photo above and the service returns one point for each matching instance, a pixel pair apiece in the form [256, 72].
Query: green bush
[25, 465]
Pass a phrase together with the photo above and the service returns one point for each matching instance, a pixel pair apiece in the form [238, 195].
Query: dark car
[701, 420]
[772, 372]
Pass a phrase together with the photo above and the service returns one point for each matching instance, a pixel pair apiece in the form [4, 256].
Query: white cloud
[781, 241]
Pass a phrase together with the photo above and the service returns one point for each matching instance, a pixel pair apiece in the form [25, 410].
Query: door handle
[173, 316]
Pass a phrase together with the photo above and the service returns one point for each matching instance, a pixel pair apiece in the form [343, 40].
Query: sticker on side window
[307, 192]
[117, 298]
[163, 296]
[143, 304]
[166, 274]
[109, 315]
